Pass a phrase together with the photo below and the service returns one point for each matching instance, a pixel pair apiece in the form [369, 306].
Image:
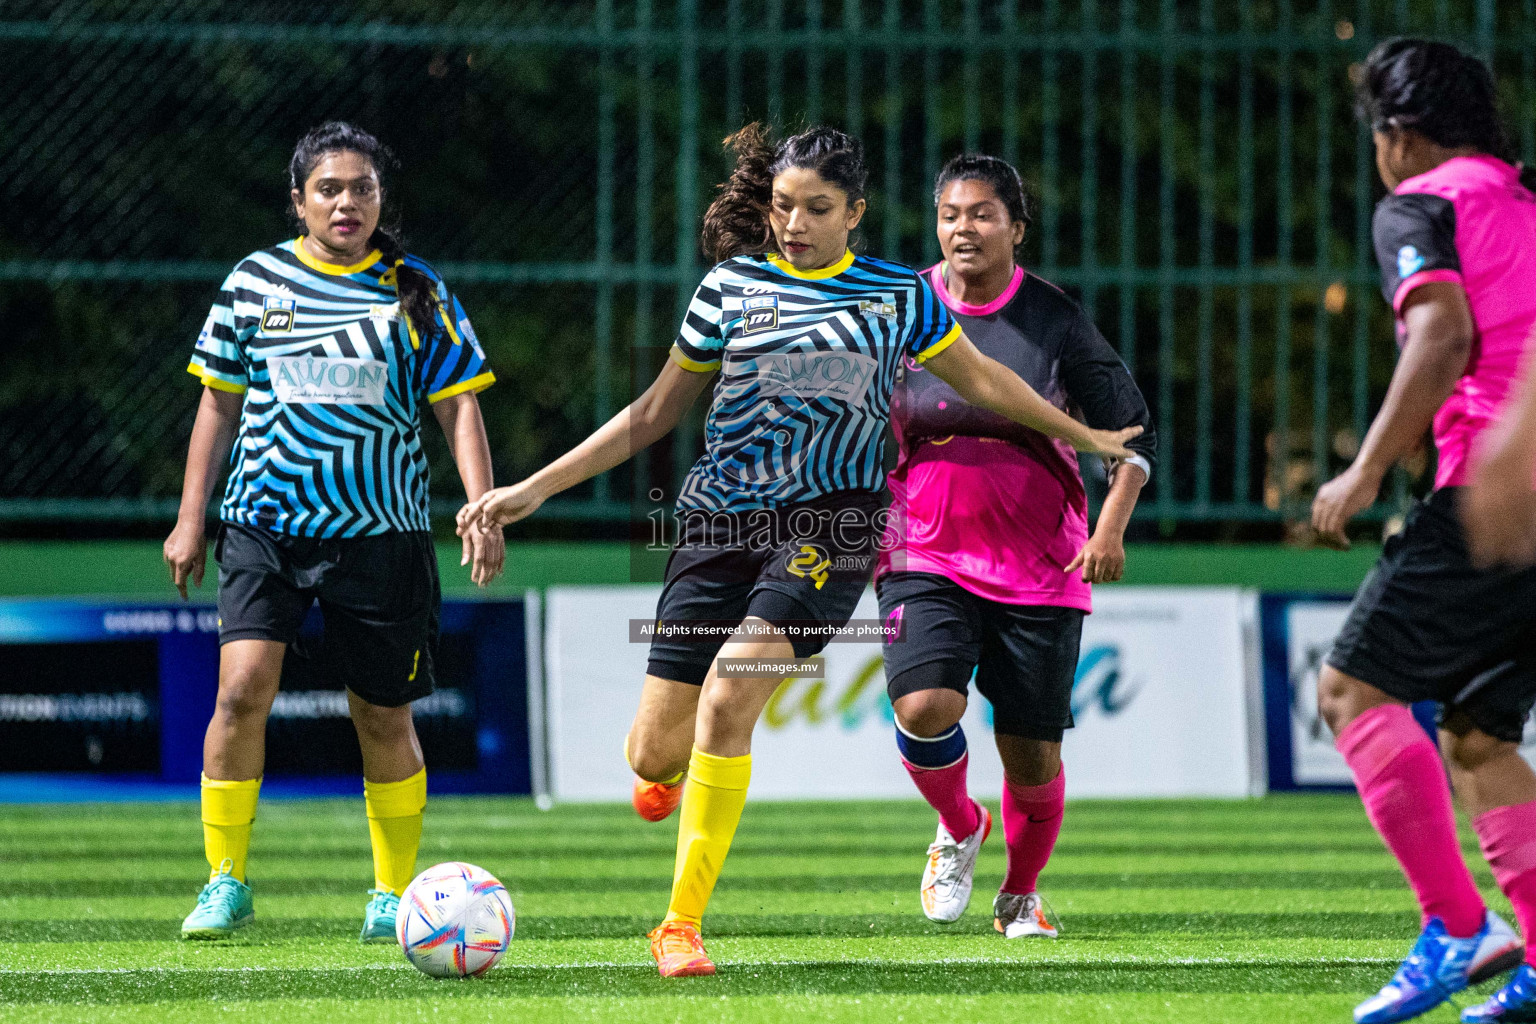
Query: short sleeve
[701, 339]
[932, 328]
[216, 359]
[1415, 237]
[452, 361]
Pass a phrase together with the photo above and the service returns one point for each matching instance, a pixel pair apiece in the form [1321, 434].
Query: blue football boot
[1437, 968]
[1515, 1003]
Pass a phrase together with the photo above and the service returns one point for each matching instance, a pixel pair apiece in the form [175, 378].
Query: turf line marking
[1351, 961]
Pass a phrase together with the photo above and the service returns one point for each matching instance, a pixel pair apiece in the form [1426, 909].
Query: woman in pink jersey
[1456, 240]
[988, 562]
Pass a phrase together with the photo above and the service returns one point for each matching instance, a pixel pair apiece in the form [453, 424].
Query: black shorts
[1024, 656]
[800, 564]
[378, 595]
[1427, 625]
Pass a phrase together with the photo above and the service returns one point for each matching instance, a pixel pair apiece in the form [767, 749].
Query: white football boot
[1021, 917]
[951, 869]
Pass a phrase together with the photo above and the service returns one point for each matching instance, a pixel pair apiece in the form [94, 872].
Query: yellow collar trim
[812, 275]
[335, 269]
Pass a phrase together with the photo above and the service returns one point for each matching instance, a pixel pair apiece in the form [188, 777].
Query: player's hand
[1499, 512]
[1109, 443]
[186, 554]
[1340, 500]
[1102, 560]
[485, 552]
[501, 506]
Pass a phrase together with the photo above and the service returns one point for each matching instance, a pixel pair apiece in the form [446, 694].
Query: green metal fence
[1202, 187]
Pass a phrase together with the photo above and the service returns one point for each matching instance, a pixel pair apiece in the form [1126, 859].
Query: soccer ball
[455, 921]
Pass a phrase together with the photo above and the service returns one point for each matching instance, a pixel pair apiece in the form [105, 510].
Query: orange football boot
[679, 951]
[656, 800]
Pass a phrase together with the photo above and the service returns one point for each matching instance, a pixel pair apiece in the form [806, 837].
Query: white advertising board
[1161, 700]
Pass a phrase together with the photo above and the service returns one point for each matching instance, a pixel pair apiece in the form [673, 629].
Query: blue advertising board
[1296, 633]
[103, 699]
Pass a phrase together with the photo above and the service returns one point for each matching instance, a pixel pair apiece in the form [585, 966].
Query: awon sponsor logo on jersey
[845, 376]
[326, 381]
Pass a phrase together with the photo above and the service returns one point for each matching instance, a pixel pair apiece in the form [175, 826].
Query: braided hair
[417, 291]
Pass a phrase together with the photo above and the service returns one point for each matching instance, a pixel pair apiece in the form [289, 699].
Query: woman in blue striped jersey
[315, 362]
[782, 512]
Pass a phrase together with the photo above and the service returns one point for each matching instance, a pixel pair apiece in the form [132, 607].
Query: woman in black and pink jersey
[989, 563]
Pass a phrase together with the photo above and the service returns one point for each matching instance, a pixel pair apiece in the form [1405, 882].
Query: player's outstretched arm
[1439, 329]
[637, 426]
[1499, 509]
[982, 380]
[485, 551]
[213, 432]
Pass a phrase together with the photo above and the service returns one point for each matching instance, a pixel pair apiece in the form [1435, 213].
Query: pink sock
[1508, 838]
[1402, 784]
[944, 789]
[1031, 823]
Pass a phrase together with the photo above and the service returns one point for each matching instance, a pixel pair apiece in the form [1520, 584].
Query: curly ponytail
[736, 223]
[1435, 89]
[417, 291]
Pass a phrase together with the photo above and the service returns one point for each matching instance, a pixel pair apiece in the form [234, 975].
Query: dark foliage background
[1202, 185]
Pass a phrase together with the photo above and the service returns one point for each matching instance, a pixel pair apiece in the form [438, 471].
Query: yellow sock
[229, 807]
[674, 780]
[712, 804]
[394, 825]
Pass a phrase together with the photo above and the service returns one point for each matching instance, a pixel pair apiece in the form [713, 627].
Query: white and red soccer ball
[455, 921]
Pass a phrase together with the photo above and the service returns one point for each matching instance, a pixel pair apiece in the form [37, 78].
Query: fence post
[1242, 428]
[1206, 314]
[602, 313]
[1167, 256]
[1322, 226]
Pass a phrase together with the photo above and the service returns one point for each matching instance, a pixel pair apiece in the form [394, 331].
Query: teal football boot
[379, 918]
[224, 905]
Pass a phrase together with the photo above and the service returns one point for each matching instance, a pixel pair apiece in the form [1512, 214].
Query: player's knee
[1472, 748]
[244, 695]
[652, 761]
[1337, 698]
[929, 712]
[720, 718]
[380, 725]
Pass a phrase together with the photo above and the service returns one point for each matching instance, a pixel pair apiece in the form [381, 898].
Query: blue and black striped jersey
[807, 361]
[333, 376]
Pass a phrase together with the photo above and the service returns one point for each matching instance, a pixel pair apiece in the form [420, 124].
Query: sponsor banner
[118, 690]
[1160, 700]
[322, 380]
[844, 376]
[1298, 632]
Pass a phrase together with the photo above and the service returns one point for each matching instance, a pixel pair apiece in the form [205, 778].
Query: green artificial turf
[1283, 909]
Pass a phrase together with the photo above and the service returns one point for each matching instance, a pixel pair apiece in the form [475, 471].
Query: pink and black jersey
[1471, 222]
[995, 506]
